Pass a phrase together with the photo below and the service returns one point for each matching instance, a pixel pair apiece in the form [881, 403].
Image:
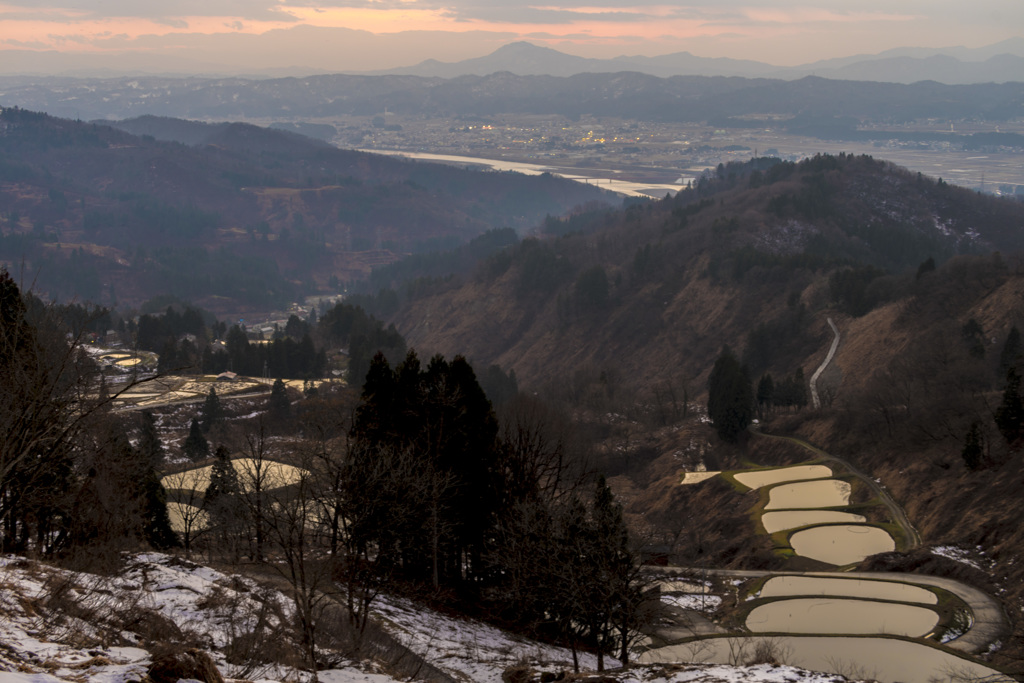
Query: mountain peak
[956, 65]
[521, 46]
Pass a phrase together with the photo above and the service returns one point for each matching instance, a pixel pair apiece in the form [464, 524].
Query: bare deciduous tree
[185, 504]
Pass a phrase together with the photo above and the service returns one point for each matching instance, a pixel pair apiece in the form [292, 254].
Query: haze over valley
[532, 105]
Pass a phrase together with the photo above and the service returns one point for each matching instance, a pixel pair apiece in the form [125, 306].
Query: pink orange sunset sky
[241, 35]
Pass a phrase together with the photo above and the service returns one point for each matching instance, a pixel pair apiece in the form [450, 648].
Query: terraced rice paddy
[844, 615]
[794, 519]
[698, 477]
[884, 659]
[758, 478]
[185, 517]
[784, 586]
[301, 384]
[272, 475]
[186, 488]
[824, 493]
[833, 536]
[841, 544]
[151, 400]
[832, 623]
[171, 389]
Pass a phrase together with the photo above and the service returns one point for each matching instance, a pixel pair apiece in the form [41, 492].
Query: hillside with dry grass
[621, 314]
[650, 294]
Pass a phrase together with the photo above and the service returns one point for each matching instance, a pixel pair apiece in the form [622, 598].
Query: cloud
[563, 38]
[171, 22]
[510, 14]
[994, 13]
[169, 10]
[24, 44]
[372, 34]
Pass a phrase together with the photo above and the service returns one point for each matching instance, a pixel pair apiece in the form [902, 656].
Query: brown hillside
[714, 269]
[918, 364]
[252, 219]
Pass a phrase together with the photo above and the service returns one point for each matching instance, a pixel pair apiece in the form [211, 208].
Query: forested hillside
[582, 360]
[411, 484]
[247, 218]
[622, 315]
[754, 257]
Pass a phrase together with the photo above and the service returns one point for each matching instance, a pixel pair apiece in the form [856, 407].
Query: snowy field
[57, 625]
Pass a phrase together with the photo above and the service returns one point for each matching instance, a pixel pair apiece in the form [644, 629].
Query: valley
[662, 152]
[618, 123]
[873, 376]
[792, 383]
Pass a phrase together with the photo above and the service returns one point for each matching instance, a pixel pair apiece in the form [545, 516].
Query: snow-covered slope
[58, 625]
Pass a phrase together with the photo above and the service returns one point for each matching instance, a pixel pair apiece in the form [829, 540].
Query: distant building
[227, 376]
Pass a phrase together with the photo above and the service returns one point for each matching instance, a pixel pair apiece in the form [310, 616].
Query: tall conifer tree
[150, 445]
[212, 411]
[730, 396]
[196, 447]
[1010, 413]
[1012, 352]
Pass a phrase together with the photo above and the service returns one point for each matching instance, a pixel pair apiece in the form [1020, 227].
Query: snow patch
[957, 554]
[700, 603]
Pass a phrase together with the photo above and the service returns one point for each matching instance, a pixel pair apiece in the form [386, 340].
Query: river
[604, 178]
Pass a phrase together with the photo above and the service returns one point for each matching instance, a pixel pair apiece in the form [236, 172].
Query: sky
[238, 36]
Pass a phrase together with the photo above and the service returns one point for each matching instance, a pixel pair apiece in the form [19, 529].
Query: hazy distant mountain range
[996, 63]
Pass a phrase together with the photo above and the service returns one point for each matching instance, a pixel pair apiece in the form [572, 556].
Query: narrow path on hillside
[911, 536]
[815, 399]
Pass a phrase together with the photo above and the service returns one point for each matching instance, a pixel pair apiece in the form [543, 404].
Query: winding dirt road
[815, 399]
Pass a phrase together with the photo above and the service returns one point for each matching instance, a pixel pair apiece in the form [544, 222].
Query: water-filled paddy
[841, 544]
[822, 493]
[698, 477]
[791, 519]
[757, 479]
[273, 475]
[865, 609]
[829, 615]
[782, 586]
[180, 512]
[885, 659]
